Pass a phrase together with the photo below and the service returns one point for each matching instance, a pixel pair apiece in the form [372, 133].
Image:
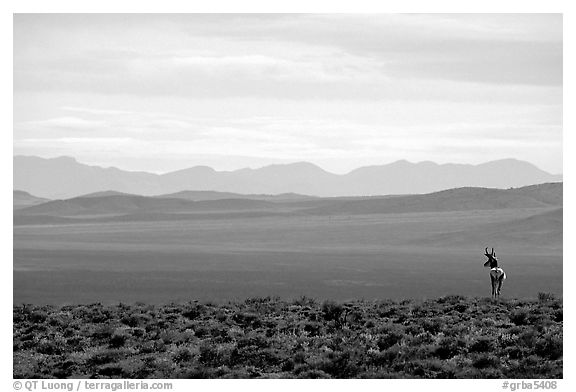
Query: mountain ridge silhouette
[65, 177]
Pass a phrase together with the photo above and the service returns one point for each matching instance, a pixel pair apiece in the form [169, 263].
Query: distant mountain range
[64, 177]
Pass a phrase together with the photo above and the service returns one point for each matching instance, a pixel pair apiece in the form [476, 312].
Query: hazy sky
[165, 92]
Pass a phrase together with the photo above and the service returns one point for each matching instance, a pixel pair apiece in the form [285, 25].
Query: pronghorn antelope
[497, 274]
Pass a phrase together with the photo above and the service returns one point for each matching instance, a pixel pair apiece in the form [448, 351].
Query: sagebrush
[450, 337]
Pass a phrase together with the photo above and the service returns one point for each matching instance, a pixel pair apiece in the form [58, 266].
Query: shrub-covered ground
[450, 337]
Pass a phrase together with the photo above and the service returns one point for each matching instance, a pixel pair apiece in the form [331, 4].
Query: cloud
[74, 123]
[75, 146]
[95, 111]
[294, 138]
[350, 57]
[87, 141]
[343, 89]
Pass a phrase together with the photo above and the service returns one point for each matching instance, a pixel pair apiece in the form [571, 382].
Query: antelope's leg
[500, 281]
[492, 282]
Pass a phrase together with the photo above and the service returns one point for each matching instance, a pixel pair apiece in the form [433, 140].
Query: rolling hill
[213, 195]
[64, 177]
[130, 204]
[168, 207]
[21, 199]
[459, 199]
[542, 230]
[106, 193]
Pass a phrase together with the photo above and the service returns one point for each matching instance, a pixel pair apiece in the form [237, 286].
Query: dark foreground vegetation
[450, 337]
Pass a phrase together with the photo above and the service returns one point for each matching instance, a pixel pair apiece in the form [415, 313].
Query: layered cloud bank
[232, 91]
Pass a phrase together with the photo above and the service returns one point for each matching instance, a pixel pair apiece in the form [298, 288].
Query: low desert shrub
[519, 317]
[485, 361]
[482, 345]
[332, 311]
[447, 348]
[193, 312]
[549, 346]
[183, 355]
[546, 297]
[118, 338]
[246, 319]
[339, 365]
[388, 338]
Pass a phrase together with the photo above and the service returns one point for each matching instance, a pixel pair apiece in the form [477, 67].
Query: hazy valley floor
[374, 256]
